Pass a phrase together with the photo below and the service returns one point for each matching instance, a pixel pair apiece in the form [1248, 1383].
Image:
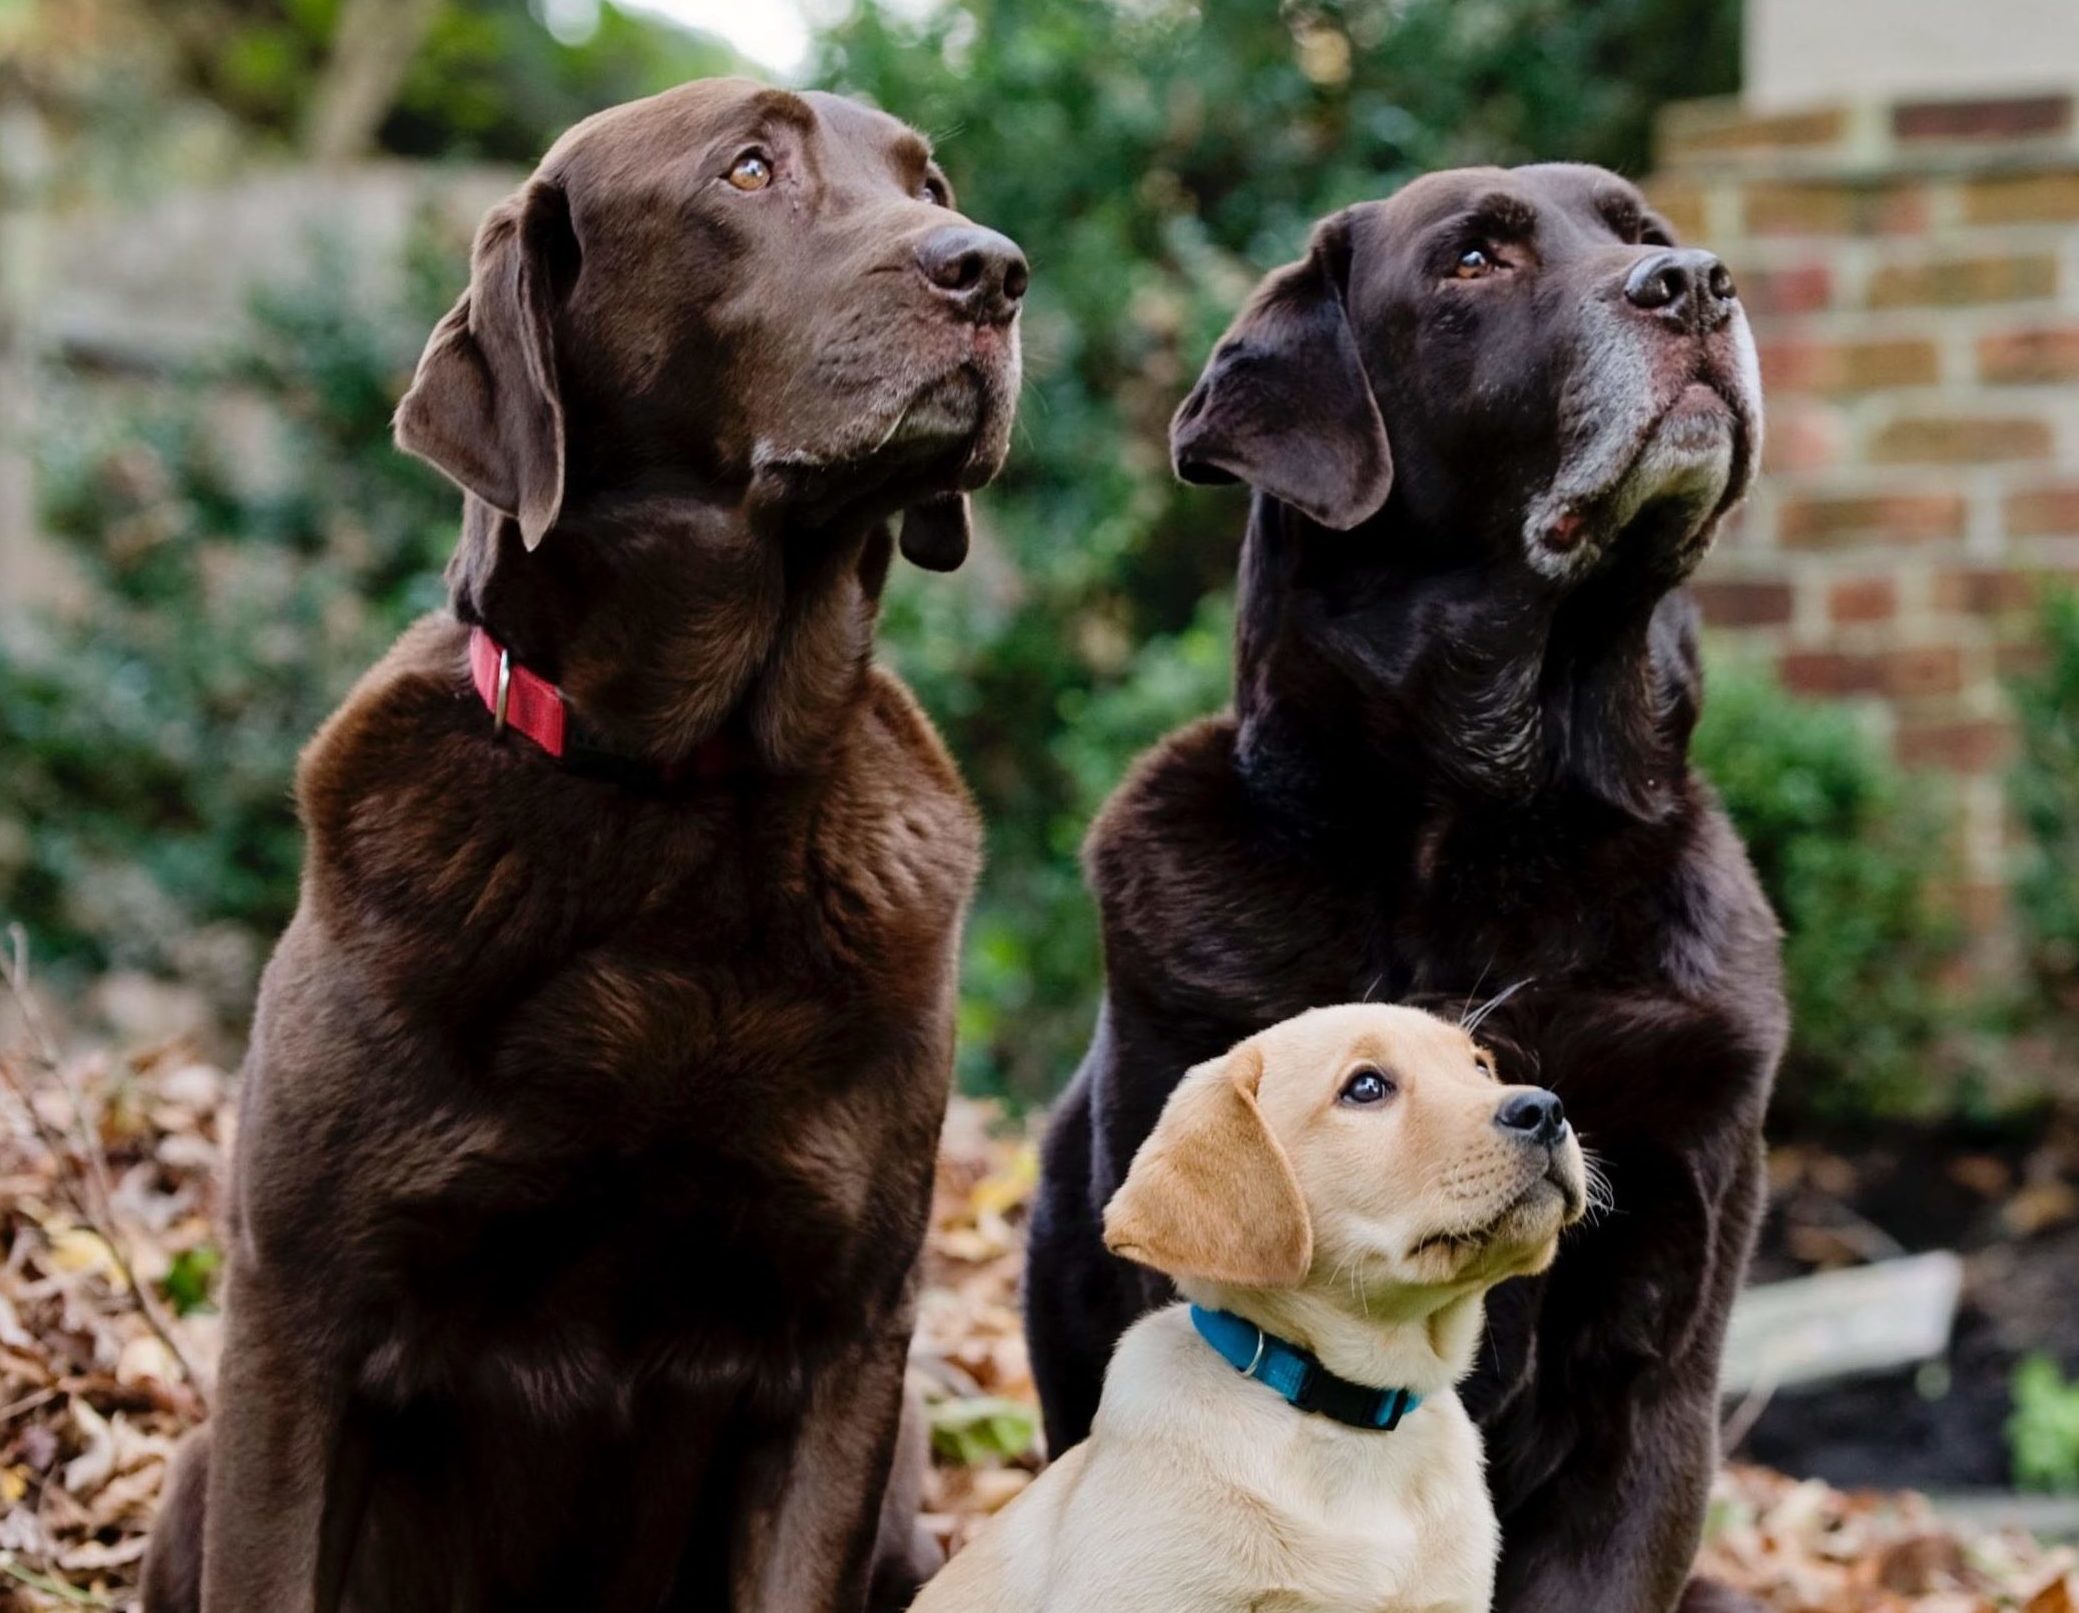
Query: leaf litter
[110, 1173]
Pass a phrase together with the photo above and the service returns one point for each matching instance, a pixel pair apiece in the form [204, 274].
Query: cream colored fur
[1365, 1233]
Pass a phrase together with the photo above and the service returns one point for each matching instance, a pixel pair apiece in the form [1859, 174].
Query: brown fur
[587, 1130]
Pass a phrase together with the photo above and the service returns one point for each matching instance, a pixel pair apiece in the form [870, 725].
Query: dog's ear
[1211, 1193]
[1284, 403]
[936, 533]
[486, 407]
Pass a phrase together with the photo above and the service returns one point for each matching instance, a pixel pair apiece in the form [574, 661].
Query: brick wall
[1912, 271]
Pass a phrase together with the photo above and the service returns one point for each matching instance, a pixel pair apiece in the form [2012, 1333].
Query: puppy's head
[1521, 359]
[738, 288]
[1364, 1150]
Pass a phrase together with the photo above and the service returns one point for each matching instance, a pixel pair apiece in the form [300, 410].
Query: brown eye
[752, 172]
[1365, 1088]
[1473, 264]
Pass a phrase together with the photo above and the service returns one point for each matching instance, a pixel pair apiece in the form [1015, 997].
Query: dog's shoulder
[396, 727]
[898, 825]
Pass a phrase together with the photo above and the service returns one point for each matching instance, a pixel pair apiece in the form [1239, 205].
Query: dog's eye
[1473, 264]
[933, 191]
[1367, 1087]
[752, 172]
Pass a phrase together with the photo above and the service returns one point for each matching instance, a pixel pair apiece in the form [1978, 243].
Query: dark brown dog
[1492, 423]
[587, 1132]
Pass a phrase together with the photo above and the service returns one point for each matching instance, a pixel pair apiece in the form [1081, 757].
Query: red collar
[529, 703]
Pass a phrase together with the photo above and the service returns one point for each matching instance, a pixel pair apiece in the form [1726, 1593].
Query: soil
[2008, 1201]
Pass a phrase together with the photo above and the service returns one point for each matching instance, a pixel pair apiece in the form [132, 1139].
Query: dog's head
[1522, 360]
[1366, 1151]
[737, 288]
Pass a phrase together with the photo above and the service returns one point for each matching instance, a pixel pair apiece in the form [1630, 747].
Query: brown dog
[588, 1127]
[1492, 423]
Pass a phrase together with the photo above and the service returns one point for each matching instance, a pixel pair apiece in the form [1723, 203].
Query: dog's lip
[1705, 402]
[1480, 1236]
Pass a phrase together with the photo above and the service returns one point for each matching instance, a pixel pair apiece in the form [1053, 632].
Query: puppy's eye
[933, 191]
[1473, 264]
[1367, 1087]
[752, 172]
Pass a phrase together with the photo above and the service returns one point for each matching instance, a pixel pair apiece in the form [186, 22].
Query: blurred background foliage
[1154, 156]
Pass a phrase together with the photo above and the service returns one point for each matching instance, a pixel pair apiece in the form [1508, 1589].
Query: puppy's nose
[1535, 1115]
[981, 273]
[1689, 289]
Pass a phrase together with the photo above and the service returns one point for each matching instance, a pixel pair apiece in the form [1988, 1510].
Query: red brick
[2023, 199]
[2020, 658]
[1901, 674]
[2042, 353]
[1892, 518]
[2010, 118]
[1684, 206]
[1849, 366]
[1802, 288]
[1707, 129]
[1969, 745]
[1961, 440]
[1834, 207]
[1984, 591]
[1744, 602]
[1863, 599]
[1803, 435]
[2043, 512]
[1953, 282]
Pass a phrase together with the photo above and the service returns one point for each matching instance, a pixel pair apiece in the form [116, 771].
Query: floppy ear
[1211, 1194]
[1284, 403]
[485, 407]
[935, 533]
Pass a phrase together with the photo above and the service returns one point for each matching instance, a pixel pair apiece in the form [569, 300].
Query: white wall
[1804, 51]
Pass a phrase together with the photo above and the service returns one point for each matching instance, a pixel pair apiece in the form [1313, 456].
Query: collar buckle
[504, 693]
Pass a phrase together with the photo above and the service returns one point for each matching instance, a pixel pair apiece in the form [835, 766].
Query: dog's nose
[1688, 288]
[1535, 1115]
[981, 273]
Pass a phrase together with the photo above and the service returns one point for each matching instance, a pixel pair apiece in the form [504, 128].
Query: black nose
[1689, 289]
[981, 273]
[1535, 1115]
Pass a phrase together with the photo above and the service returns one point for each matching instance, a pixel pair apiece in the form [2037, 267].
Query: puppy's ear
[1284, 403]
[936, 533]
[1211, 1193]
[486, 407]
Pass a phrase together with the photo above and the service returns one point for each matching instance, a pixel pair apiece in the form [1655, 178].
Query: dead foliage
[109, 1172]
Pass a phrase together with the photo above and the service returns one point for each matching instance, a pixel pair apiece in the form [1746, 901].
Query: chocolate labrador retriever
[1492, 423]
[586, 1140]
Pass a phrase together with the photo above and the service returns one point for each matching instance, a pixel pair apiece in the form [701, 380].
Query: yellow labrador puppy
[1333, 1197]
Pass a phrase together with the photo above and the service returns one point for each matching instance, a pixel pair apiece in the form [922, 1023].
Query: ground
[108, 1186]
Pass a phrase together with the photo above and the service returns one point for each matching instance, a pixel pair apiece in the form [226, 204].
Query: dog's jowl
[588, 1125]
[1492, 423]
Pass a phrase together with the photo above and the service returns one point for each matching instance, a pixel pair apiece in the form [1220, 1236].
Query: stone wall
[1912, 270]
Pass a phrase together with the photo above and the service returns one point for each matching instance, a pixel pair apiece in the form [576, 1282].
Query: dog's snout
[1687, 288]
[1534, 1114]
[980, 272]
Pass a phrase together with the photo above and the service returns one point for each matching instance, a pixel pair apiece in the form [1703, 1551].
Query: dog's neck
[667, 620]
[1354, 664]
[1423, 1342]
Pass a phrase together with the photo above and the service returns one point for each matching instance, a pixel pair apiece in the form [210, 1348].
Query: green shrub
[2046, 800]
[1844, 846]
[235, 590]
[2043, 1430]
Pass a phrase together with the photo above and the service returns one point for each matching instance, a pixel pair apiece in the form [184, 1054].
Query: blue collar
[1296, 1375]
